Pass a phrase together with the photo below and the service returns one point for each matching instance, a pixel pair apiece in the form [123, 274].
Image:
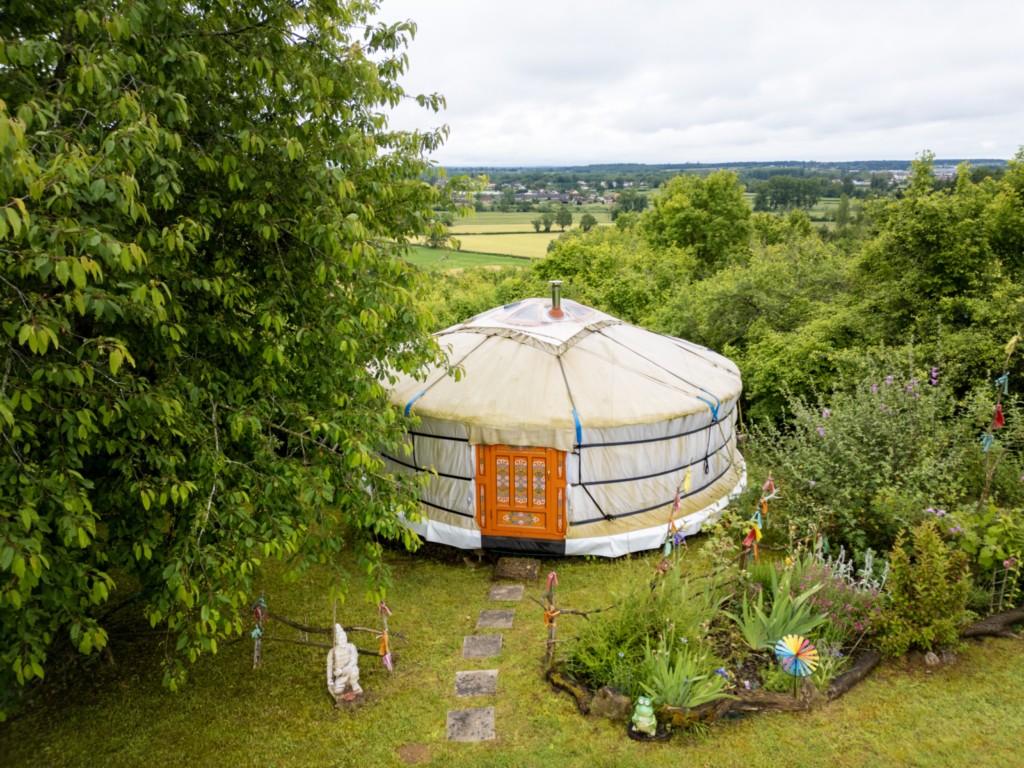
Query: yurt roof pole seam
[579, 440]
[408, 406]
[708, 484]
[572, 402]
[692, 348]
[714, 407]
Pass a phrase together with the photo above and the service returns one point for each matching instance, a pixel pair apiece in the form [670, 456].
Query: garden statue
[643, 716]
[342, 668]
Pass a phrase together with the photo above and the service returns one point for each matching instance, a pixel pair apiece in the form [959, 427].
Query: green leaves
[197, 223]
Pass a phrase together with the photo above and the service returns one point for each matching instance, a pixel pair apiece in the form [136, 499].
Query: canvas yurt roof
[632, 409]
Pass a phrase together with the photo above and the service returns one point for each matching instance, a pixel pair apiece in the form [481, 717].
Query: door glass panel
[522, 482]
[502, 479]
[540, 476]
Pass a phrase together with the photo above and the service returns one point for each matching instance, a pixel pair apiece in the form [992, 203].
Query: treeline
[614, 176]
[933, 276]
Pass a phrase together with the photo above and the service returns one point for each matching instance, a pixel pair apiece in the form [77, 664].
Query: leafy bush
[993, 540]
[678, 674]
[862, 465]
[926, 593]
[611, 648]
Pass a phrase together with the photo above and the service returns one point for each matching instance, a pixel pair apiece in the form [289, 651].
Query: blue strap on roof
[713, 406]
[408, 406]
[579, 427]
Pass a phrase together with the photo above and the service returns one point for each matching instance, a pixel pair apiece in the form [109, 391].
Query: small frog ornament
[643, 716]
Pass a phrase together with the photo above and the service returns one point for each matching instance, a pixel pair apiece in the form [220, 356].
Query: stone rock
[611, 704]
[481, 646]
[947, 656]
[471, 724]
[495, 619]
[478, 683]
[931, 660]
[509, 592]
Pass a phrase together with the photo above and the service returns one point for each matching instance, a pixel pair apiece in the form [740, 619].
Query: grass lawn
[280, 714]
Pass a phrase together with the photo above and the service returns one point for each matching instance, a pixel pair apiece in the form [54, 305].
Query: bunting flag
[999, 421]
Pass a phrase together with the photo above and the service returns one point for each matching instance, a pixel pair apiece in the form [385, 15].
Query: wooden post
[551, 619]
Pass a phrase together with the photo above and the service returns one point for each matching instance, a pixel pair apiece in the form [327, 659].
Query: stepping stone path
[477, 724]
[481, 646]
[482, 683]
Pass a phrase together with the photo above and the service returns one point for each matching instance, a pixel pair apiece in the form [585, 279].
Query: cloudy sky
[560, 82]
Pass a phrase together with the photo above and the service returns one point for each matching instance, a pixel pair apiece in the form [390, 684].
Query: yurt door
[520, 491]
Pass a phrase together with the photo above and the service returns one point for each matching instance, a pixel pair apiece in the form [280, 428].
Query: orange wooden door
[520, 491]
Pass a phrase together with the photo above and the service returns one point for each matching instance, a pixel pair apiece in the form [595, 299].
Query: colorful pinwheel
[797, 655]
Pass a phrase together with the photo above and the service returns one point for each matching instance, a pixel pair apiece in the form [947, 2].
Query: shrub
[862, 465]
[993, 540]
[926, 593]
[611, 647]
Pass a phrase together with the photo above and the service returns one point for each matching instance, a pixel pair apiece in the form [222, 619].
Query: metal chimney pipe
[556, 299]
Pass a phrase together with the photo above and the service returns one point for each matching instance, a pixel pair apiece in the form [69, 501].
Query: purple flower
[934, 377]
[741, 438]
[1009, 563]
[721, 671]
[821, 431]
[888, 380]
[956, 529]
[936, 512]
[874, 389]
[826, 413]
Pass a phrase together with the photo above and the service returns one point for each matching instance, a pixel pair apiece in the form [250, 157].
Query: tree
[628, 201]
[547, 219]
[587, 222]
[203, 209]
[710, 215]
[563, 217]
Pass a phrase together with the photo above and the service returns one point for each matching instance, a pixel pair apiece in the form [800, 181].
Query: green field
[512, 233]
[439, 259]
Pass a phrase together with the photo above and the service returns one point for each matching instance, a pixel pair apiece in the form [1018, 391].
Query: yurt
[569, 432]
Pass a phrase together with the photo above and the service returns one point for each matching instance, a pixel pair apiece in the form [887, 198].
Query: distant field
[532, 245]
[488, 222]
[437, 259]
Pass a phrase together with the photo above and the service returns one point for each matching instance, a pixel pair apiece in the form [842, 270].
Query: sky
[580, 82]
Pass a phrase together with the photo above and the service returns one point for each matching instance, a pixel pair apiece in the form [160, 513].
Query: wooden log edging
[996, 625]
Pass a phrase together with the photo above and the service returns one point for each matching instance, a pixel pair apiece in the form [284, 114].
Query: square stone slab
[480, 646]
[507, 592]
[517, 569]
[482, 683]
[495, 619]
[471, 724]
